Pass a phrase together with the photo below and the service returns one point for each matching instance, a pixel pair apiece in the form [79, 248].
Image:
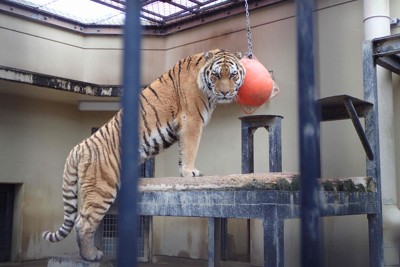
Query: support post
[273, 241]
[373, 166]
[247, 149]
[275, 145]
[273, 235]
[359, 129]
[214, 241]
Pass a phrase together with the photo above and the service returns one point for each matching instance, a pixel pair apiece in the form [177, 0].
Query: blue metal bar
[375, 223]
[128, 195]
[309, 136]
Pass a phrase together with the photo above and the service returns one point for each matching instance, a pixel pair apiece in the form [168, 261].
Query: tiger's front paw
[191, 173]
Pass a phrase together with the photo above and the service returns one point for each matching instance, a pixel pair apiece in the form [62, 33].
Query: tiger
[173, 108]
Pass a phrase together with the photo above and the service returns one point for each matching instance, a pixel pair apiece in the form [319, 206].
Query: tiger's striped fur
[175, 107]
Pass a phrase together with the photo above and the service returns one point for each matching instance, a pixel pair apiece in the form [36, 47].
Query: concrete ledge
[252, 196]
[59, 83]
[75, 260]
[255, 181]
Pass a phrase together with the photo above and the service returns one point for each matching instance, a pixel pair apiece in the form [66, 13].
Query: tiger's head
[221, 76]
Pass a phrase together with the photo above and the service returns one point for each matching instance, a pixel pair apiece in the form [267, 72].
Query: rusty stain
[189, 239]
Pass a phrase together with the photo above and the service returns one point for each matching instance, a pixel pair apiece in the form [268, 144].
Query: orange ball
[257, 86]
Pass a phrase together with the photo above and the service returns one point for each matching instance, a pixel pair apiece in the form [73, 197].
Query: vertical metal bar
[149, 168]
[309, 135]
[373, 166]
[127, 204]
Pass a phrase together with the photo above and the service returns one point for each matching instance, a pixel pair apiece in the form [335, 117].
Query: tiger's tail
[70, 198]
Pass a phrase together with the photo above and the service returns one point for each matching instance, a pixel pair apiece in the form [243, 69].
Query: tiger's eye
[233, 74]
[216, 75]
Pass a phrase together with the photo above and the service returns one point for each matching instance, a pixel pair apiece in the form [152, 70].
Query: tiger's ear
[208, 55]
[239, 55]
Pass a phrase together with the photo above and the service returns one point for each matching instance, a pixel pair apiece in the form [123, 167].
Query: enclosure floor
[162, 262]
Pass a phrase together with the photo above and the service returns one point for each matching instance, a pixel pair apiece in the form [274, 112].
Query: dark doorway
[6, 220]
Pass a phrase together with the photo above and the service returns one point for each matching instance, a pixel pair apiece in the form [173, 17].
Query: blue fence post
[375, 222]
[128, 195]
[309, 134]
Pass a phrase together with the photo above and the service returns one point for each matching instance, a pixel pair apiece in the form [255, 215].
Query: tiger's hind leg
[85, 230]
[86, 225]
[95, 205]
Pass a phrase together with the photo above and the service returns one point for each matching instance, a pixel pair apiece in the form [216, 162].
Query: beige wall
[47, 50]
[36, 136]
[31, 134]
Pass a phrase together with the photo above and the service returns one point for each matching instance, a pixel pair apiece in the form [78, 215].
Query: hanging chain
[249, 53]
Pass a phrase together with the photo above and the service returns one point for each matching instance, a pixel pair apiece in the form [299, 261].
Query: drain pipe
[377, 24]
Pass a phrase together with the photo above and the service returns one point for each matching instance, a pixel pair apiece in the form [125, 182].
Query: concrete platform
[160, 261]
[76, 261]
[272, 197]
